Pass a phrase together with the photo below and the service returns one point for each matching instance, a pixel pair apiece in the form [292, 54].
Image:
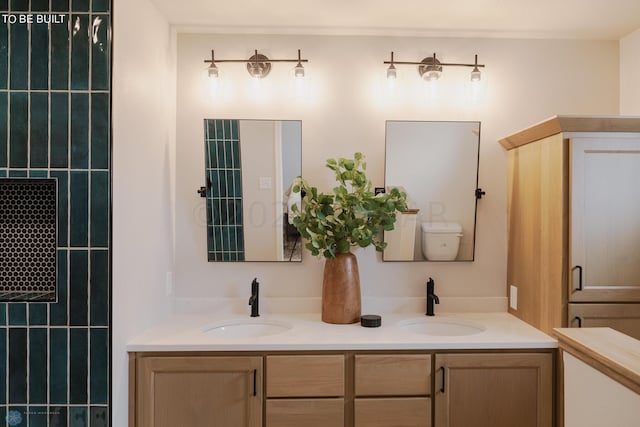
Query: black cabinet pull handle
[255, 381]
[579, 268]
[579, 319]
[443, 379]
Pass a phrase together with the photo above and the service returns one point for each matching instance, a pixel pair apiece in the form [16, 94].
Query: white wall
[143, 157]
[344, 111]
[630, 74]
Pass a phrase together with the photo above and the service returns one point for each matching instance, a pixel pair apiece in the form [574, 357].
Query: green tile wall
[55, 123]
[225, 236]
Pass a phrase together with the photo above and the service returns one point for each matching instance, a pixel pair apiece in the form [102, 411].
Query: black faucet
[253, 301]
[431, 296]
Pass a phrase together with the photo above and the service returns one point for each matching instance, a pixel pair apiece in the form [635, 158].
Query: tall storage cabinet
[574, 223]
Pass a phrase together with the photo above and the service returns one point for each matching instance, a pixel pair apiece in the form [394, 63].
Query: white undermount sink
[246, 328]
[442, 326]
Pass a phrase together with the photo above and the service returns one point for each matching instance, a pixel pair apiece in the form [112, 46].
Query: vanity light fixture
[258, 65]
[430, 68]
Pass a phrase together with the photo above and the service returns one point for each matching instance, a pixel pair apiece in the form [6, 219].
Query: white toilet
[441, 240]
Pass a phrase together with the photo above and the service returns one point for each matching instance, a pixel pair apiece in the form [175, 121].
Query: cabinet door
[493, 390]
[621, 317]
[605, 219]
[199, 391]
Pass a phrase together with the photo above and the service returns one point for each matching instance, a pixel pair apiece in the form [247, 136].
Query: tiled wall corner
[55, 123]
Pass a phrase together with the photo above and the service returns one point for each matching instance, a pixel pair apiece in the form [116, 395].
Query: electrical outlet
[513, 297]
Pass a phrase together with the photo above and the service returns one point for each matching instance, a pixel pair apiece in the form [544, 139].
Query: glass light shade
[431, 75]
[392, 72]
[213, 71]
[475, 75]
[255, 71]
[298, 71]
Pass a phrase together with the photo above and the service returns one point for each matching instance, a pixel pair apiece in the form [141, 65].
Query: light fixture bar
[208, 61]
[258, 65]
[444, 64]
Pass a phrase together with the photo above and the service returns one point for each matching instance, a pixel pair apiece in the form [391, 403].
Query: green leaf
[343, 246]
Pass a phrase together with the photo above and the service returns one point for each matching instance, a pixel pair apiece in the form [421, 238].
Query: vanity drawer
[305, 376]
[393, 375]
[393, 412]
[305, 412]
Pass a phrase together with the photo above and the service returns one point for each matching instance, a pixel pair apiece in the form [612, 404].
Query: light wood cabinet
[393, 375]
[305, 412]
[621, 317]
[573, 217]
[341, 389]
[305, 376]
[405, 382]
[605, 218]
[198, 391]
[298, 377]
[493, 390]
[393, 412]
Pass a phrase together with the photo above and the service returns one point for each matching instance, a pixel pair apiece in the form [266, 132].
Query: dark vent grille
[27, 239]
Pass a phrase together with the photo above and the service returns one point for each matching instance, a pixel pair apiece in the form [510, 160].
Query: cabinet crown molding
[560, 124]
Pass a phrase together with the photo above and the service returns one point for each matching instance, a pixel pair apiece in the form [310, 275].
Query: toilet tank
[441, 240]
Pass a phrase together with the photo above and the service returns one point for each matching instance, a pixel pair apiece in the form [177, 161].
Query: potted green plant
[353, 215]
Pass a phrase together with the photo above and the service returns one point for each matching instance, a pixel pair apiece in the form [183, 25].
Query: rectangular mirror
[436, 164]
[249, 168]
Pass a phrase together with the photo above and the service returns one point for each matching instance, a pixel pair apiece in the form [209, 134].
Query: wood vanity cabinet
[493, 390]
[195, 391]
[392, 390]
[574, 221]
[341, 389]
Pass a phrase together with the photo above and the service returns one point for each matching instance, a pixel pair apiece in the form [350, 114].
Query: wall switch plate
[265, 182]
[513, 297]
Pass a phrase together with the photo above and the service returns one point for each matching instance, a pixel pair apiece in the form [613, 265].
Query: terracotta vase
[341, 290]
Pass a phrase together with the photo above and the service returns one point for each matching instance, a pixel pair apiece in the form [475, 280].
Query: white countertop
[186, 332]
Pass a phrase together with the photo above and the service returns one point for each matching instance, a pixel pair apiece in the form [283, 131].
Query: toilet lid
[441, 227]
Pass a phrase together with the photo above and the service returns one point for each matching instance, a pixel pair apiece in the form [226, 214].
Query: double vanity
[294, 370]
[448, 370]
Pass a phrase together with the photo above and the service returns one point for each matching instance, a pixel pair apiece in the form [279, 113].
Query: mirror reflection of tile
[250, 166]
